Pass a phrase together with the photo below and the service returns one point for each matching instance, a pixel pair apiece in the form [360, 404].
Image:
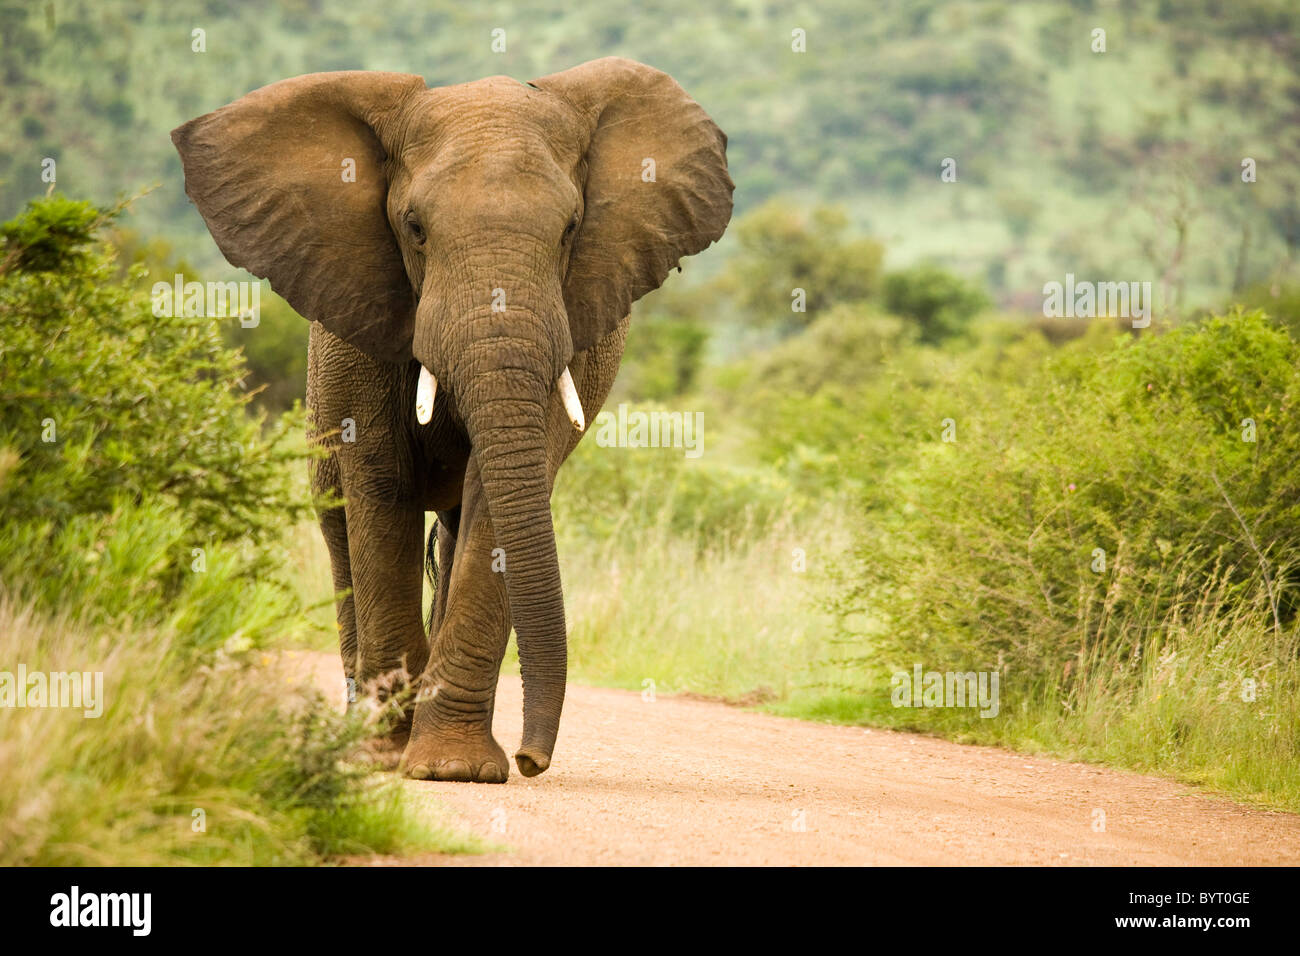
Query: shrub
[783, 248]
[102, 403]
[940, 302]
[1082, 508]
[1281, 300]
[662, 357]
[839, 404]
[275, 351]
[603, 492]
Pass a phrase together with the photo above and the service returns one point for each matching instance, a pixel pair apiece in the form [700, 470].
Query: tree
[783, 249]
[940, 302]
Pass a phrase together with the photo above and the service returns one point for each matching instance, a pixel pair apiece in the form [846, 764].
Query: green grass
[391, 823]
[727, 617]
[261, 762]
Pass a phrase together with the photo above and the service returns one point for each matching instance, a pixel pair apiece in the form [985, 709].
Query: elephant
[467, 257]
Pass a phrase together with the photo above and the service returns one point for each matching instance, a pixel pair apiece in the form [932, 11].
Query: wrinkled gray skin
[495, 232]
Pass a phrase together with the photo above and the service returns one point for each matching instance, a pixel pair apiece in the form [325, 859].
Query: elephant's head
[490, 230]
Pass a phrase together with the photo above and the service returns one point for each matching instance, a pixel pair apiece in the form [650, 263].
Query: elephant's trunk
[505, 415]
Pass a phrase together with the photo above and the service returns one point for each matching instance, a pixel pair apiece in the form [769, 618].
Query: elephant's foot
[438, 755]
[385, 752]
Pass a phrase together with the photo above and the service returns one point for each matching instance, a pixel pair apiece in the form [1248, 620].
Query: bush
[940, 302]
[275, 351]
[838, 405]
[1280, 300]
[783, 248]
[812, 397]
[603, 492]
[662, 357]
[104, 404]
[1080, 509]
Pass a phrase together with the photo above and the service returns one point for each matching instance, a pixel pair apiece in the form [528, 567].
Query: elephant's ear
[290, 180]
[636, 228]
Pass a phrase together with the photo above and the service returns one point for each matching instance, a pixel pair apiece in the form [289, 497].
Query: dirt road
[690, 782]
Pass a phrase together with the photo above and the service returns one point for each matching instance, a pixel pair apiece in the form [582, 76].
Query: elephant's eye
[415, 229]
[569, 230]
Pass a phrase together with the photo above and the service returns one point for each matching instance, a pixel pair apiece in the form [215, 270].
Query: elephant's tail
[431, 571]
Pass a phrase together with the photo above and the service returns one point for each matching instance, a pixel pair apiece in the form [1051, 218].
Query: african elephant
[468, 256]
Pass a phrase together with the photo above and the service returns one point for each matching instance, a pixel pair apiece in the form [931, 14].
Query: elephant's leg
[385, 550]
[326, 483]
[448, 529]
[334, 529]
[451, 733]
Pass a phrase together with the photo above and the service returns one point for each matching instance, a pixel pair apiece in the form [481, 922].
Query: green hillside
[1067, 159]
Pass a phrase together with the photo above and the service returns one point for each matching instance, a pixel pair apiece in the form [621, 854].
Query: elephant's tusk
[572, 404]
[424, 393]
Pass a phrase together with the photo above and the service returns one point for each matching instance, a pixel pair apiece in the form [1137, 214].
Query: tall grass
[1209, 693]
[1214, 698]
[229, 763]
[727, 616]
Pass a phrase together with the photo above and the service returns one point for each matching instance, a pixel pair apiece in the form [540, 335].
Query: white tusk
[572, 404]
[424, 393]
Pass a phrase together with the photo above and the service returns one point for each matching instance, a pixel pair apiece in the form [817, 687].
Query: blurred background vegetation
[917, 467]
[1062, 154]
[1125, 163]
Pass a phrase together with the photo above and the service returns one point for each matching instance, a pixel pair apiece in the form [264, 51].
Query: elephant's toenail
[455, 770]
[421, 771]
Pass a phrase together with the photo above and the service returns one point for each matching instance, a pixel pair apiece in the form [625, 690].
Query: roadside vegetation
[143, 539]
[1106, 518]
